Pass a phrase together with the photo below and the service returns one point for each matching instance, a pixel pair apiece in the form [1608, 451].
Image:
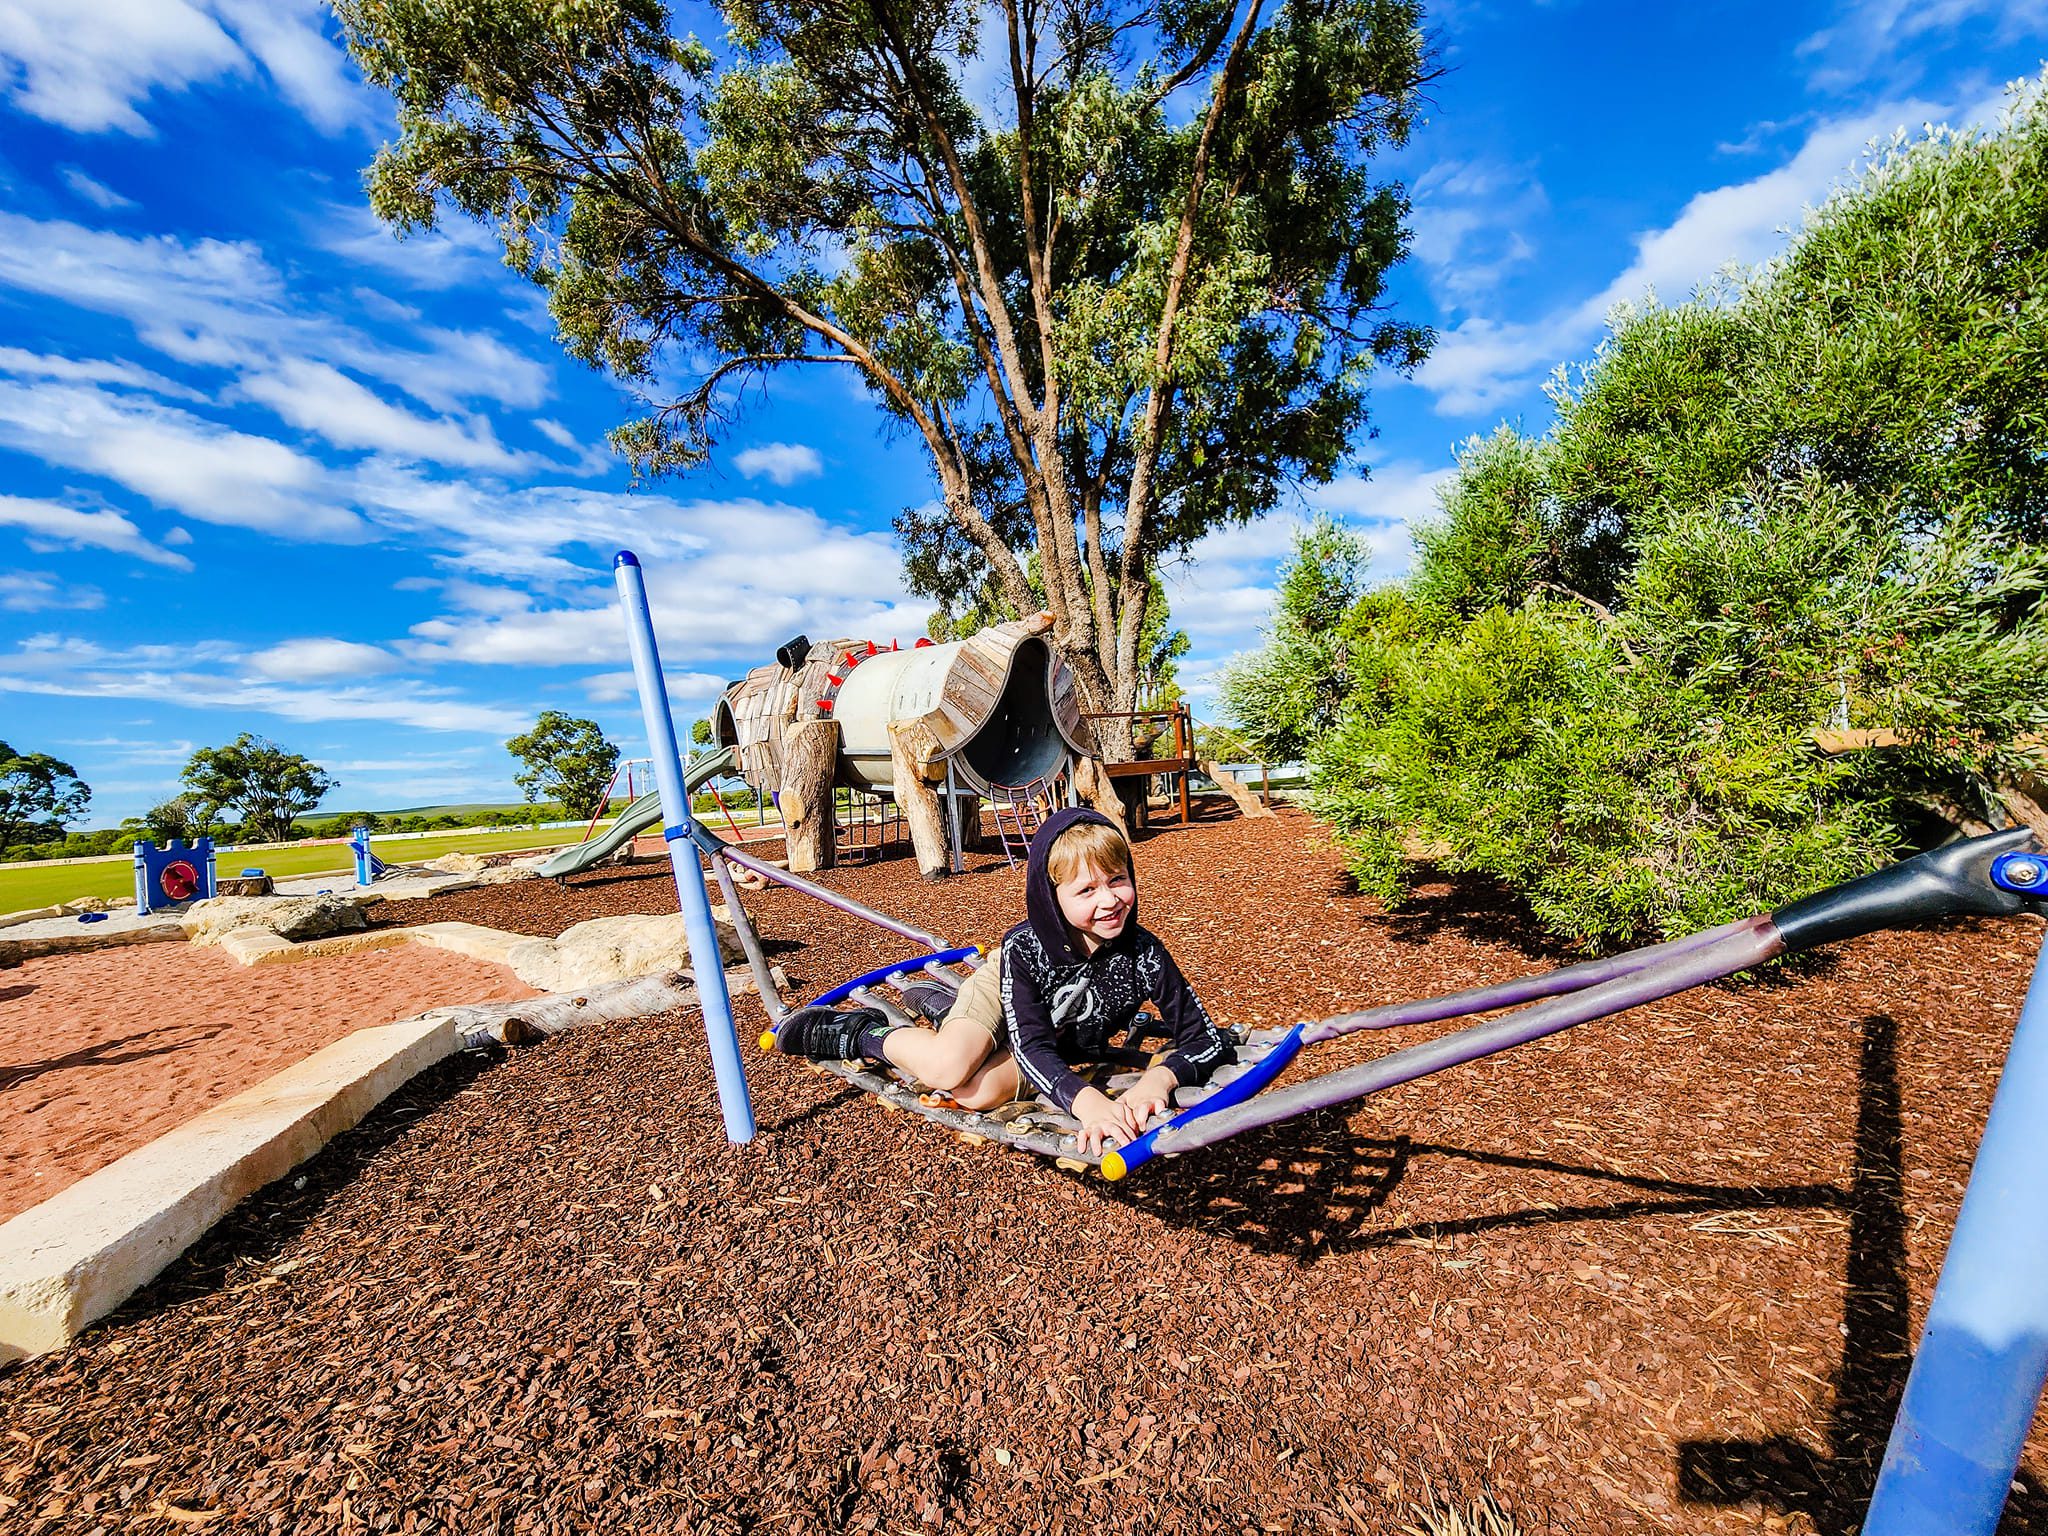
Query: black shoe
[929, 1001]
[827, 1034]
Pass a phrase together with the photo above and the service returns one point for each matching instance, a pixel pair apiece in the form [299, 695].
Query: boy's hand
[1150, 1095]
[1107, 1122]
[1104, 1122]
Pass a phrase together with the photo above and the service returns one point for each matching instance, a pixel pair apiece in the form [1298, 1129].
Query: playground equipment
[696, 906]
[1984, 1354]
[172, 875]
[642, 814]
[369, 868]
[936, 728]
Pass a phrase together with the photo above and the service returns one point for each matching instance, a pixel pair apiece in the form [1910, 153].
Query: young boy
[1068, 978]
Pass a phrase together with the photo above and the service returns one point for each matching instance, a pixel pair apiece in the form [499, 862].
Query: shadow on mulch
[1307, 1190]
[102, 1053]
[1832, 1486]
[1477, 908]
[271, 1219]
[9, 994]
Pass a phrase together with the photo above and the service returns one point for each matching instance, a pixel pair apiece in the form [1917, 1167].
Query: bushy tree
[38, 794]
[177, 816]
[1809, 506]
[567, 759]
[270, 787]
[1286, 695]
[1111, 323]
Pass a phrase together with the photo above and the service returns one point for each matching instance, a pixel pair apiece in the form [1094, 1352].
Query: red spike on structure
[834, 679]
[824, 706]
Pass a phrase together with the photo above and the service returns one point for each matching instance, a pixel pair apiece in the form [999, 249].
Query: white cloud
[50, 524]
[30, 365]
[1469, 219]
[1891, 39]
[456, 251]
[1482, 362]
[210, 473]
[93, 73]
[310, 660]
[98, 193]
[323, 400]
[34, 591]
[200, 675]
[221, 304]
[556, 433]
[784, 463]
[138, 753]
[1223, 593]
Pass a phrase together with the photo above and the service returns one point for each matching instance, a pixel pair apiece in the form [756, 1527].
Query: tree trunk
[810, 762]
[1096, 789]
[922, 809]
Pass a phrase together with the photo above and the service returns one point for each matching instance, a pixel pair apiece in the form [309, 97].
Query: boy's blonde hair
[1087, 845]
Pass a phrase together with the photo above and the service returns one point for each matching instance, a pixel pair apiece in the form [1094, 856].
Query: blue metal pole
[719, 1028]
[1984, 1354]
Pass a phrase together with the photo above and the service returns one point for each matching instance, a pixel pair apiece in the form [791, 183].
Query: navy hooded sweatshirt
[1061, 1006]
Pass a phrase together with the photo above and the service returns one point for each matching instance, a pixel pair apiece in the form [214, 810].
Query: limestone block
[256, 946]
[296, 918]
[457, 863]
[86, 1249]
[613, 949]
[66, 935]
[506, 874]
[471, 939]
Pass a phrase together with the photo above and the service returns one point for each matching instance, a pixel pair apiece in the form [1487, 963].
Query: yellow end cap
[981, 950]
[768, 1040]
[1113, 1166]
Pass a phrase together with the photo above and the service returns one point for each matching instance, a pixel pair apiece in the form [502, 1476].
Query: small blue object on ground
[251, 874]
[92, 917]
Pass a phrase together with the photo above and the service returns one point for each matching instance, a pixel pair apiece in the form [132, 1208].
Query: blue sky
[264, 468]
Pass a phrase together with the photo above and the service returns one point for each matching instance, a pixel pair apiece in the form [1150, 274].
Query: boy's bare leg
[945, 1058]
[993, 1084]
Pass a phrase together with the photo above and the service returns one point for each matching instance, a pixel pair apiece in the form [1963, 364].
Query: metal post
[959, 858]
[1984, 1353]
[1183, 748]
[705, 961]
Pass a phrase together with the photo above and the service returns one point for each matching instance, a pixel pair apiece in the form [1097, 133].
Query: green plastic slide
[643, 813]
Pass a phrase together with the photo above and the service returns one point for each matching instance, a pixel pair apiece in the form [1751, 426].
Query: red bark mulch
[1658, 1274]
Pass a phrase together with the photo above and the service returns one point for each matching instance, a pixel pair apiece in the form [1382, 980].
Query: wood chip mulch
[1661, 1273]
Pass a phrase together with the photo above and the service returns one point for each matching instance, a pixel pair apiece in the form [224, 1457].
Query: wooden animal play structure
[936, 729]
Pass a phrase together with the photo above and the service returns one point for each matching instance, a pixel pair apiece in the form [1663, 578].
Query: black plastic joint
[1960, 879]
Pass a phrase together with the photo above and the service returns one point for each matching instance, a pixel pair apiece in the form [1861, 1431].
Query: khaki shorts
[981, 1000]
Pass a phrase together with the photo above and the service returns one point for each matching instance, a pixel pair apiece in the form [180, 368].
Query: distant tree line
[1763, 609]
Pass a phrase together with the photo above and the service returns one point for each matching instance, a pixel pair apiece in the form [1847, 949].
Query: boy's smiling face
[1096, 904]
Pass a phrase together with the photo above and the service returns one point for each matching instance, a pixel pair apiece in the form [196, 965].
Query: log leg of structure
[922, 809]
[1248, 803]
[1095, 787]
[810, 762]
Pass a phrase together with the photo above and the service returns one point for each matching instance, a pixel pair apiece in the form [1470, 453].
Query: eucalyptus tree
[1119, 264]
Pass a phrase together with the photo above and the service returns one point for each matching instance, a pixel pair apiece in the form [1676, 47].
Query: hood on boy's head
[1041, 901]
